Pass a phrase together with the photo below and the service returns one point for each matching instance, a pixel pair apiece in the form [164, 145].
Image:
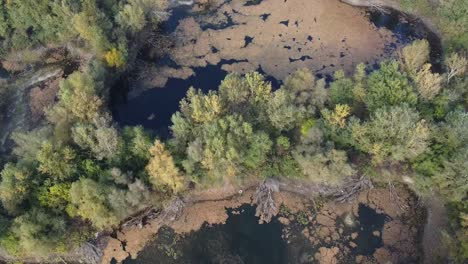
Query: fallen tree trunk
[373, 3]
[263, 198]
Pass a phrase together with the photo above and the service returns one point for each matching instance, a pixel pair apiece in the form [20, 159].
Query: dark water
[243, 240]
[369, 221]
[153, 108]
[407, 29]
[240, 240]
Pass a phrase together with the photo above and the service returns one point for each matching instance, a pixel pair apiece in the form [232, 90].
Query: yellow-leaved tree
[162, 169]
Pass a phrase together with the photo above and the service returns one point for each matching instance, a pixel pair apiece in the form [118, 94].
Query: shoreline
[129, 241]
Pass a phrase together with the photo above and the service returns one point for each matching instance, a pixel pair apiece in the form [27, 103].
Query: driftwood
[351, 188]
[170, 213]
[263, 198]
[89, 253]
[139, 220]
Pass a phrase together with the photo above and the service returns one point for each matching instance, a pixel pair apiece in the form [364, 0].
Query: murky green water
[243, 240]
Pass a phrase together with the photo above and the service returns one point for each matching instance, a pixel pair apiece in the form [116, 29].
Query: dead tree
[263, 198]
[172, 211]
[351, 188]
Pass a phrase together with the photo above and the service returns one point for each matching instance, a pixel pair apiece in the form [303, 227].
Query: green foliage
[319, 161]
[392, 134]
[307, 125]
[100, 137]
[78, 100]
[341, 90]
[414, 56]
[56, 196]
[452, 15]
[57, 162]
[27, 23]
[305, 91]
[90, 200]
[388, 86]
[16, 183]
[134, 148]
[39, 232]
[162, 170]
[302, 218]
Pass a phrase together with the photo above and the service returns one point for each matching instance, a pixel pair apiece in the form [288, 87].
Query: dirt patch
[276, 36]
[43, 96]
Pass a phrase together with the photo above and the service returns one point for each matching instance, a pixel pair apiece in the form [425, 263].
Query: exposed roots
[351, 188]
[170, 213]
[263, 198]
[396, 198]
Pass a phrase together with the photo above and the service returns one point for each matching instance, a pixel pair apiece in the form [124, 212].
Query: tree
[56, 196]
[456, 65]
[388, 86]
[77, 100]
[452, 181]
[201, 108]
[91, 23]
[132, 17]
[133, 152]
[328, 167]
[453, 21]
[319, 161]
[337, 118]
[40, 232]
[15, 186]
[414, 56]
[306, 91]
[162, 170]
[115, 58]
[392, 134]
[100, 137]
[128, 202]
[90, 200]
[341, 89]
[428, 84]
[28, 144]
[282, 113]
[57, 161]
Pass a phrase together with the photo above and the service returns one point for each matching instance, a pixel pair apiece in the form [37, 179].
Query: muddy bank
[324, 231]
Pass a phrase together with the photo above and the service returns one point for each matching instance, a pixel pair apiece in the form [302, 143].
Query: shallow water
[240, 240]
[243, 240]
[153, 108]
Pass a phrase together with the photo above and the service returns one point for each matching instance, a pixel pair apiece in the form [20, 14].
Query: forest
[78, 172]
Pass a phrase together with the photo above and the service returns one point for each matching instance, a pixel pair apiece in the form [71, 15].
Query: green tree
[282, 113]
[306, 91]
[57, 162]
[388, 86]
[40, 232]
[15, 187]
[162, 170]
[392, 134]
[414, 56]
[56, 196]
[91, 202]
[428, 84]
[101, 137]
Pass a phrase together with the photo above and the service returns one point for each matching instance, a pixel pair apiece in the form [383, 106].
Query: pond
[243, 240]
[232, 36]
